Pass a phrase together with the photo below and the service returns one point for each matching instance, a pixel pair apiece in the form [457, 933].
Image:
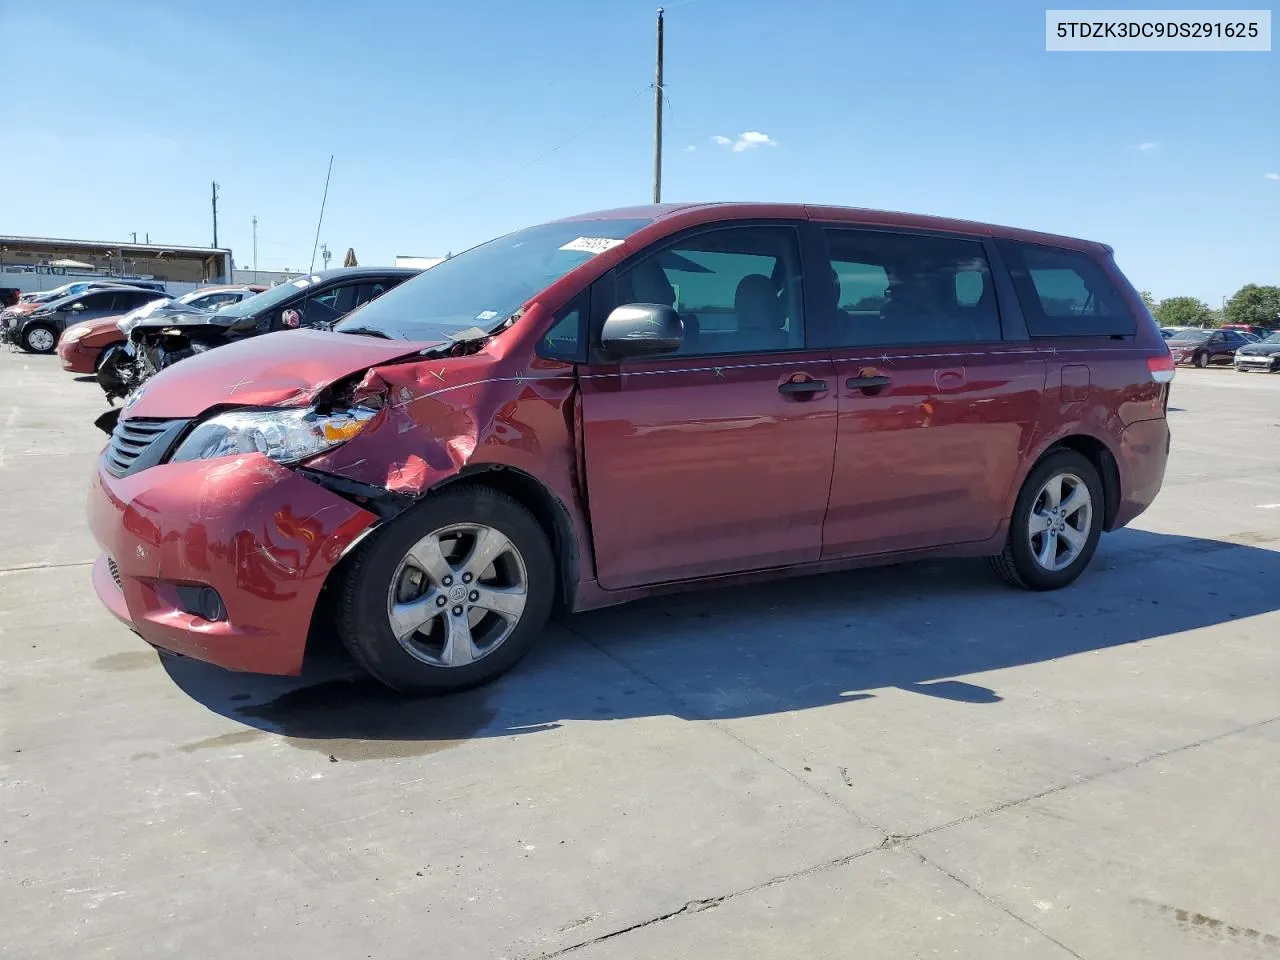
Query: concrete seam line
[697, 906]
[995, 903]
[1081, 781]
[27, 567]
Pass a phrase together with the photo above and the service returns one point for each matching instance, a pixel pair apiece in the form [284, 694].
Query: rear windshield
[479, 289]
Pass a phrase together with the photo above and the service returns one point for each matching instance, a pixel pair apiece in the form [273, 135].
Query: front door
[936, 412]
[716, 458]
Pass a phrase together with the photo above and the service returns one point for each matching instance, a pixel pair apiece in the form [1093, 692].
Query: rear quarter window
[1066, 293]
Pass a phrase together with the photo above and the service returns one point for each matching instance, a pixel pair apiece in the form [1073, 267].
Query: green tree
[1149, 300]
[1183, 312]
[1254, 304]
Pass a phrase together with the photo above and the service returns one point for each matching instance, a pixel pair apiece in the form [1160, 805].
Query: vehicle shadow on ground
[782, 646]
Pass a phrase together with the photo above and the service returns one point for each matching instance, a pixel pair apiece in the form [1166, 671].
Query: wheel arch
[547, 509]
[1103, 460]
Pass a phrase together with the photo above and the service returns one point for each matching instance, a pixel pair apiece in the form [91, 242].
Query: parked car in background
[1249, 328]
[1168, 332]
[1201, 347]
[82, 348]
[624, 404]
[80, 286]
[312, 301]
[1261, 357]
[39, 330]
[9, 296]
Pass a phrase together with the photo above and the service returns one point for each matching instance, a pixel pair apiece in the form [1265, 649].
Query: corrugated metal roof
[153, 248]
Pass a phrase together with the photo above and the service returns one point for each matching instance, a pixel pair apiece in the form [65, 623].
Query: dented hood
[287, 368]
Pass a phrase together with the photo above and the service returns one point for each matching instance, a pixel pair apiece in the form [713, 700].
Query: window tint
[737, 289]
[892, 288]
[563, 338]
[1065, 293]
[97, 301]
[329, 305]
[371, 291]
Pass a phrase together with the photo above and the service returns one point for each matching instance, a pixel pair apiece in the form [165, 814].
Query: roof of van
[691, 214]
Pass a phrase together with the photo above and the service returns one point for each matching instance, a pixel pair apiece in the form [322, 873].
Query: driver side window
[737, 290]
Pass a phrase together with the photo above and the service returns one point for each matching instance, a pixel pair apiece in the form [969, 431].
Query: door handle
[868, 385]
[802, 387]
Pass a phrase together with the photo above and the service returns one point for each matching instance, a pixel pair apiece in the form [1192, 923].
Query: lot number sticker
[593, 245]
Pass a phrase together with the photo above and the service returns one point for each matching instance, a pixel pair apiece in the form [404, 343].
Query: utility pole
[215, 215]
[325, 254]
[148, 240]
[134, 234]
[657, 121]
[255, 248]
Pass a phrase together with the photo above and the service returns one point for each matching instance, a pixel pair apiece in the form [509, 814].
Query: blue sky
[455, 121]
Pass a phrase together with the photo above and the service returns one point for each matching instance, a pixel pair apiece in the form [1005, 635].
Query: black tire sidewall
[1034, 575]
[363, 621]
[1200, 360]
[25, 339]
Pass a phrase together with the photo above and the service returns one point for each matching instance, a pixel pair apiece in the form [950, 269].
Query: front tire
[450, 595]
[38, 338]
[1201, 360]
[1056, 523]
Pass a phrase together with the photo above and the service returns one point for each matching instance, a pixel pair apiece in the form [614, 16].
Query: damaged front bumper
[220, 560]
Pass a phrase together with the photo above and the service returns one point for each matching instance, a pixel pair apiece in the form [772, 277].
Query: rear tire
[38, 338]
[1049, 545]
[420, 569]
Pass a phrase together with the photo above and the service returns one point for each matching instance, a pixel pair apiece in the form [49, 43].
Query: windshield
[1194, 336]
[251, 306]
[484, 286]
[1271, 338]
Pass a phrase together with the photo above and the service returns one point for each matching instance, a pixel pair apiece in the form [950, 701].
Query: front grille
[140, 443]
[114, 571]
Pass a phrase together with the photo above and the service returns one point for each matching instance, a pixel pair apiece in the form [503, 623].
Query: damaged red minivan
[624, 403]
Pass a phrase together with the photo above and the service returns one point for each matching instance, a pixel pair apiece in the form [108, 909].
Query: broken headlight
[286, 436]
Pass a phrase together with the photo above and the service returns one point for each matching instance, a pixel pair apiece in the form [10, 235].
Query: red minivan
[625, 403]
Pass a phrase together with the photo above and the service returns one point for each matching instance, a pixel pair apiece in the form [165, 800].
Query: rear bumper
[1141, 458]
[260, 535]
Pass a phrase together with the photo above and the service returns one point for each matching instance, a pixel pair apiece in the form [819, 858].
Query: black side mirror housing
[641, 330]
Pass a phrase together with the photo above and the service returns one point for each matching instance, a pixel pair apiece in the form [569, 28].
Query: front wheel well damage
[1100, 455]
[547, 510]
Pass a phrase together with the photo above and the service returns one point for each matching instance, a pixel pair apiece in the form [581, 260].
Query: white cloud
[1272, 176]
[748, 140]
[690, 148]
[1145, 146]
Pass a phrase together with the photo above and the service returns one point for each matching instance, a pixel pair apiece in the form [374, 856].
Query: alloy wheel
[457, 595]
[40, 340]
[1060, 521]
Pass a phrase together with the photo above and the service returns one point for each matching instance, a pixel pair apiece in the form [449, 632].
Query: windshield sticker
[593, 245]
[487, 315]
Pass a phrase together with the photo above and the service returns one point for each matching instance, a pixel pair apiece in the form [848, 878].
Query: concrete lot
[910, 762]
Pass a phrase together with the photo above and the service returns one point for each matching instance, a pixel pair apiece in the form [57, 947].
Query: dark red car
[626, 403]
[1200, 348]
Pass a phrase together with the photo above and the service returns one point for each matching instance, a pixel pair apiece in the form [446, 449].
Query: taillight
[1162, 367]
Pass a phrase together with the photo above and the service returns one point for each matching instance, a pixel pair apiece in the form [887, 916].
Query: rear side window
[1065, 293]
[900, 289]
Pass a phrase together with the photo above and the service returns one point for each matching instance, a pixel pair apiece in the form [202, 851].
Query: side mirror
[77, 307]
[641, 330]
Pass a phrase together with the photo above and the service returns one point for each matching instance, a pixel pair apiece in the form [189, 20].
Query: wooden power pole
[657, 120]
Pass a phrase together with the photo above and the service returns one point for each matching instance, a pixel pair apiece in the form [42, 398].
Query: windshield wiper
[368, 332]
